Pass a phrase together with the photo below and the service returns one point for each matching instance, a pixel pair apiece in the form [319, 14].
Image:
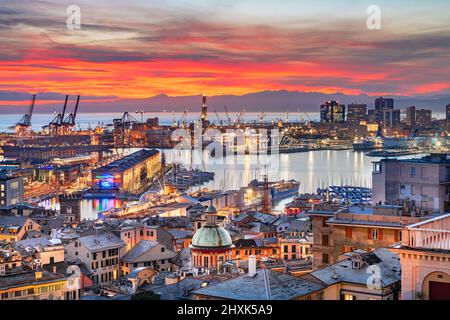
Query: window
[348, 232]
[294, 256]
[294, 248]
[285, 249]
[52, 260]
[375, 234]
[349, 297]
[325, 258]
[324, 222]
[413, 172]
[163, 249]
[286, 257]
[325, 240]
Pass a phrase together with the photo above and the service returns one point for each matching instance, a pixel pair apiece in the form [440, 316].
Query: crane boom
[30, 114]
[75, 111]
[61, 119]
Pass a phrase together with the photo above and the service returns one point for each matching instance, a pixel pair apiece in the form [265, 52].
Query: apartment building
[425, 259]
[422, 185]
[337, 233]
[100, 253]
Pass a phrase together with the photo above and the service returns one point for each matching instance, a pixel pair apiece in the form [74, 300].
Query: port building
[131, 174]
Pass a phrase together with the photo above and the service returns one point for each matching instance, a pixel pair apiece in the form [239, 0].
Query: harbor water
[313, 169]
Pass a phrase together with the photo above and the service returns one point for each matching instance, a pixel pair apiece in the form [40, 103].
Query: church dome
[211, 236]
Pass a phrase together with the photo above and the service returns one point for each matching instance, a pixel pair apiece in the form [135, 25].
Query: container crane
[56, 123]
[69, 122]
[23, 127]
[228, 115]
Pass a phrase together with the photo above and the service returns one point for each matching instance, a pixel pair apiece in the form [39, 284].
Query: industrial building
[131, 174]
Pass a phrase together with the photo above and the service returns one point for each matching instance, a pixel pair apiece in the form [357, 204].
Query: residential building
[332, 112]
[147, 254]
[390, 118]
[260, 248]
[423, 119]
[23, 278]
[425, 259]
[296, 248]
[411, 117]
[349, 229]
[11, 189]
[14, 228]
[360, 275]
[382, 104]
[421, 184]
[356, 113]
[447, 113]
[100, 253]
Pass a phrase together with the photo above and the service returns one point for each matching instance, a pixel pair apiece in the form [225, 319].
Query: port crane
[228, 115]
[69, 122]
[218, 118]
[23, 127]
[122, 127]
[56, 123]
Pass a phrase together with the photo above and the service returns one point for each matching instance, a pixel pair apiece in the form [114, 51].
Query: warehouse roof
[129, 161]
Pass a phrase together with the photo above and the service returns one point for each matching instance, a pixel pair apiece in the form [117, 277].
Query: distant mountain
[280, 101]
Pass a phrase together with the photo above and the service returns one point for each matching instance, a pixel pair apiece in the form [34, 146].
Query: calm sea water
[313, 169]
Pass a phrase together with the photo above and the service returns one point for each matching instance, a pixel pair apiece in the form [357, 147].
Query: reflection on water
[313, 169]
[89, 208]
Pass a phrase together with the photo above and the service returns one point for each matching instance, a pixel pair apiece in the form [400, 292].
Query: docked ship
[362, 145]
[278, 190]
[284, 189]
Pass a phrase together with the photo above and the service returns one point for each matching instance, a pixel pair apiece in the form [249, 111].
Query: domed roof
[211, 236]
[211, 209]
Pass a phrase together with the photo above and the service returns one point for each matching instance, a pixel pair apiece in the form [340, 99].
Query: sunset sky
[137, 49]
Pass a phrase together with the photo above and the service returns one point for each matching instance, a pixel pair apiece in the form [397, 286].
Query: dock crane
[218, 118]
[56, 123]
[262, 116]
[69, 122]
[122, 127]
[23, 127]
[228, 115]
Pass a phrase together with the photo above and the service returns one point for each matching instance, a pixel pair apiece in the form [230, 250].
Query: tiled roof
[264, 285]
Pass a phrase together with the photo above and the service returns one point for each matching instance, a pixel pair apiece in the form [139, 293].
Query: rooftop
[266, 284]
[139, 249]
[103, 241]
[343, 271]
[129, 161]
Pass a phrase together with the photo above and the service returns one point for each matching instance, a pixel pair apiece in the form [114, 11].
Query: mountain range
[263, 101]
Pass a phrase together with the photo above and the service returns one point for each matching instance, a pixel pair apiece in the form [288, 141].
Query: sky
[138, 49]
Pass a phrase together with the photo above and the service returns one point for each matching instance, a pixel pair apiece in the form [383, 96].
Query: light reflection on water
[313, 169]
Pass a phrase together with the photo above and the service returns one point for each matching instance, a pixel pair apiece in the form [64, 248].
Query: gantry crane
[23, 127]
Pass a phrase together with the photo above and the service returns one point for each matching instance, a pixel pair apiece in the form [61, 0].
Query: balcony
[430, 234]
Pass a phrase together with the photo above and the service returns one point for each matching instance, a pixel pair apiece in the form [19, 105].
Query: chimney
[251, 266]
[54, 269]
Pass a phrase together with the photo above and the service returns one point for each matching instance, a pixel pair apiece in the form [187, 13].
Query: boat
[284, 189]
[278, 190]
[364, 145]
